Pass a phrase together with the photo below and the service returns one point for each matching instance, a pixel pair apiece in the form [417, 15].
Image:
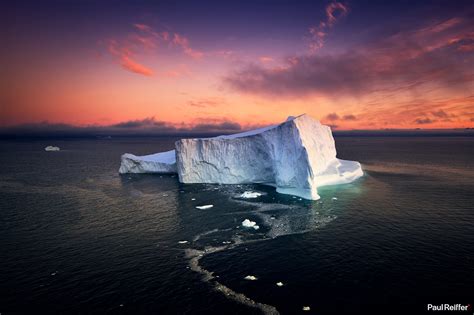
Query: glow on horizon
[153, 71]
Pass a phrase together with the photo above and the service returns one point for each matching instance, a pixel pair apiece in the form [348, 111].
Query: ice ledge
[296, 156]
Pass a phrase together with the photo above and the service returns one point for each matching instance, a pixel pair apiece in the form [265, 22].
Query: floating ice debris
[300, 199]
[51, 148]
[54, 273]
[251, 278]
[182, 242]
[250, 194]
[334, 198]
[204, 207]
[121, 305]
[165, 195]
[280, 284]
[193, 199]
[306, 308]
[226, 242]
[250, 224]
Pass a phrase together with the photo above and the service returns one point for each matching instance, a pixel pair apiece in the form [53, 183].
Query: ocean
[76, 237]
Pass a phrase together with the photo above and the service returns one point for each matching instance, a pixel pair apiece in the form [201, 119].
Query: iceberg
[296, 156]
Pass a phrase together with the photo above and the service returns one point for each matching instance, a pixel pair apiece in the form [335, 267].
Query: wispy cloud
[266, 59]
[125, 56]
[334, 11]
[405, 60]
[145, 39]
[424, 121]
[206, 102]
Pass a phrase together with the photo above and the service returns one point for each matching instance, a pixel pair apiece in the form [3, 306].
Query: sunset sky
[222, 66]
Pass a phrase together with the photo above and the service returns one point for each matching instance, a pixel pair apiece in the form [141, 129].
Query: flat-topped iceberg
[296, 156]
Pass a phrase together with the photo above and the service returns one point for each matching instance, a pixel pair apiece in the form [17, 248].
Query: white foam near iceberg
[296, 156]
[250, 194]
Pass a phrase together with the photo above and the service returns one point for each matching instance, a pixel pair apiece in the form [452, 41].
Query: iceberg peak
[296, 156]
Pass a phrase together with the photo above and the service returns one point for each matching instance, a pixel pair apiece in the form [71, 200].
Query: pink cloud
[125, 55]
[265, 59]
[334, 11]
[183, 42]
[133, 66]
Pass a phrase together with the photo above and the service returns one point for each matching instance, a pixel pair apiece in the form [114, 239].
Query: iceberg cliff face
[164, 162]
[296, 157]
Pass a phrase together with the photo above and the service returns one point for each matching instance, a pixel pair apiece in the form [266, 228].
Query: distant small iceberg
[52, 148]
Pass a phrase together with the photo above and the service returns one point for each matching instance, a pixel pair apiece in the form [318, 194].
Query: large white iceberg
[296, 156]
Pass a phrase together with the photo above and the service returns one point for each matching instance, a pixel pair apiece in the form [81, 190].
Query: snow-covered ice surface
[296, 156]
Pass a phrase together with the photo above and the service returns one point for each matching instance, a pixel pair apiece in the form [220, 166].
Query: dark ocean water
[75, 237]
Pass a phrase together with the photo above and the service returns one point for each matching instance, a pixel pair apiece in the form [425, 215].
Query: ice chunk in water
[204, 207]
[251, 278]
[250, 194]
[250, 224]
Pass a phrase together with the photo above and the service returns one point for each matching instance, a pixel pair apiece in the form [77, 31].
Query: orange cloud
[133, 66]
[124, 54]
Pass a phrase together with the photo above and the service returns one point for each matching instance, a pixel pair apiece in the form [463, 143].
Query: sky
[222, 66]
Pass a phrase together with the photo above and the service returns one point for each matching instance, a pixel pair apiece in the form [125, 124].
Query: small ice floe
[121, 305]
[300, 199]
[306, 308]
[280, 284]
[165, 195]
[250, 194]
[51, 148]
[54, 273]
[204, 207]
[193, 199]
[251, 278]
[334, 198]
[226, 242]
[182, 242]
[250, 224]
